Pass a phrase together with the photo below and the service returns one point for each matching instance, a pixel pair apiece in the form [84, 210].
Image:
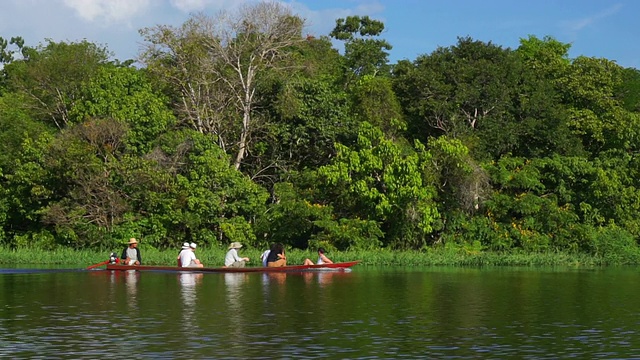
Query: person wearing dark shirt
[131, 254]
[277, 256]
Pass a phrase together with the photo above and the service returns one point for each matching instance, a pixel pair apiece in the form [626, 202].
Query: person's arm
[124, 254]
[326, 259]
[139, 256]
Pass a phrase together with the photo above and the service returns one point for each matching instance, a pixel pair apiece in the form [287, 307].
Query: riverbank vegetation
[71, 258]
[253, 131]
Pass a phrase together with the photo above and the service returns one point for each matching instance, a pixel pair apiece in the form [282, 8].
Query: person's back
[232, 259]
[188, 257]
[185, 247]
[276, 256]
[264, 257]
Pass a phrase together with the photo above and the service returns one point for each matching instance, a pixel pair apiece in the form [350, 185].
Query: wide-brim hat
[235, 245]
[133, 241]
[185, 246]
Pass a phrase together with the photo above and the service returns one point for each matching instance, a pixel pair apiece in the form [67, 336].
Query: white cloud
[200, 5]
[579, 24]
[189, 5]
[108, 11]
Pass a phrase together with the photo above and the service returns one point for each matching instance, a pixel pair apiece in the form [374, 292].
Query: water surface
[368, 313]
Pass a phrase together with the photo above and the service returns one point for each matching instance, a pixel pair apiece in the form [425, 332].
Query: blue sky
[597, 28]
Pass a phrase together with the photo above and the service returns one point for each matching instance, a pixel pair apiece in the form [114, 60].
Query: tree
[538, 106]
[364, 54]
[16, 125]
[375, 180]
[234, 50]
[375, 102]
[6, 54]
[51, 77]
[628, 91]
[595, 115]
[465, 91]
[308, 117]
[125, 95]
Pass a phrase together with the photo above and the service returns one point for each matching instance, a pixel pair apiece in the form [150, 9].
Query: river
[367, 313]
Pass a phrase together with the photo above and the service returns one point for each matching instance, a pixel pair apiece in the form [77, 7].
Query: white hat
[185, 246]
[192, 245]
[235, 245]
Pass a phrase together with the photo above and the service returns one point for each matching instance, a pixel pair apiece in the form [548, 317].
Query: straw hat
[133, 241]
[235, 245]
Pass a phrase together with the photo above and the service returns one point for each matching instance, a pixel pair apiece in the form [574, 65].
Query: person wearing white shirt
[232, 259]
[188, 257]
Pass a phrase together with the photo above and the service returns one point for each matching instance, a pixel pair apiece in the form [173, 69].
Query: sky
[594, 28]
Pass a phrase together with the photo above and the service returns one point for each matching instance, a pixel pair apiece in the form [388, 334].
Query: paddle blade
[98, 264]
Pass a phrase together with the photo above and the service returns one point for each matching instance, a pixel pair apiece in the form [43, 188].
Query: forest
[242, 127]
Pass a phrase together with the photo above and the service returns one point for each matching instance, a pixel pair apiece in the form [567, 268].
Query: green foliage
[375, 102]
[529, 155]
[614, 245]
[363, 54]
[463, 91]
[291, 219]
[7, 55]
[15, 127]
[207, 190]
[309, 117]
[531, 215]
[539, 105]
[352, 234]
[125, 94]
[238, 229]
[51, 77]
[589, 89]
[548, 56]
[375, 181]
[628, 91]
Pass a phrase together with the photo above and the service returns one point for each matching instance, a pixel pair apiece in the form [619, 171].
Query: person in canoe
[264, 256]
[188, 257]
[277, 257]
[232, 259]
[322, 258]
[131, 254]
[185, 247]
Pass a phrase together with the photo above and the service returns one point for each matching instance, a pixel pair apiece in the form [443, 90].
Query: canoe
[293, 268]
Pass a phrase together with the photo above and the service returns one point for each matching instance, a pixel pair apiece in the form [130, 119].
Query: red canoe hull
[335, 267]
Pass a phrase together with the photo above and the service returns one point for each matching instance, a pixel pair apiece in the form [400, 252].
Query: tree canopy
[239, 127]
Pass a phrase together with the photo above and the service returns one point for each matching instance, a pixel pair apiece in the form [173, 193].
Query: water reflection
[131, 280]
[322, 278]
[188, 286]
[277, 278]
[234, 293]
[369, 313]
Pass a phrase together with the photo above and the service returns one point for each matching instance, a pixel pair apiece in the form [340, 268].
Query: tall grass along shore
[213, 257]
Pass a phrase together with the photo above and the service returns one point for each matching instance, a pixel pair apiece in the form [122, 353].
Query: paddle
[98, 264]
